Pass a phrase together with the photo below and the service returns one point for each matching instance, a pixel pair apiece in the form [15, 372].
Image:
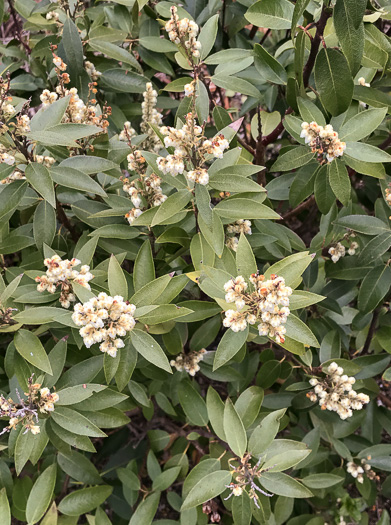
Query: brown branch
[386, 143]
[371, 331]
[260, 152]
[301, 207]
[276, 132]
[320, 27]
[18, 31]
[62, 217]
[245, 146]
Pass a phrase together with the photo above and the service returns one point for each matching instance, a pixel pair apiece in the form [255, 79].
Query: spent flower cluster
[245, 475]
[234, 229]
[61, 273]
[323, 140]
[26, 411]
[267, 305]
[188, 362]
[335, 392]
[105, 319]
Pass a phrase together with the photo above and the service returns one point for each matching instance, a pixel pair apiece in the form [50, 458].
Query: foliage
[195, 246]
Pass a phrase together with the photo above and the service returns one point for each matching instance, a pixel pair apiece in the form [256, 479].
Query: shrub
[195, 247]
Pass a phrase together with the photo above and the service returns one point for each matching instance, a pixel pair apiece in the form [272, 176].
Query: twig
[18, 31]
[301, 207]
[65, 221]
[371, 331]
[320, 27]
[279, 129]
[260, 152]
[386, 143]
[245, 146]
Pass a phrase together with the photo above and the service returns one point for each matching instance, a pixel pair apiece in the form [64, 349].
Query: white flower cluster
[151, 190]
[5, 157]
[190, 89]
[23, 124]
[238, 227]
[150, 116]
[52, 15]
[339, 250]
[62, 273]
[132, 215]
[322, 140]
[267, 305]
[361, 81]
[183, 32]
[357, 471]
[105, 320]
[47, 400]
[188, 362]
[46, 161]
[335, 392]
[184, 141]
[199, 175]
[92, 71]
[48, 97]
[59, 63]
[16, 175]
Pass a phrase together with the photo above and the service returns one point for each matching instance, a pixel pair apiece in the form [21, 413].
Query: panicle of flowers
[323, 140]
[6, 315]
[267, 305]
[92, 71]
[104, 319]
[62, 273]
[245, 475]
[337, 252]
[52, 15]
[192, 147]
[362, 82]
[190, 88]
[335, 392]
[183, 32]
[45, 160]
[188, 362]
[210, 508]
[26, 411]
[6, 157]
[127, 133]
[150, 115]
[358, 471]
[236, 228]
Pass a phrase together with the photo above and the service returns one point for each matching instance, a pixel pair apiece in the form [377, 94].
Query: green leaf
[88, 164]
[175, 203]
[5, 511]
[207, 488]
[238, 84]
[333, 80]
[299, 331]
[366, 152]
[292, 159]
[48, 117]
[44, 225]
[229, 346]
[339, 181]
[41, 495]
[77, 393]
[124, 81]
[116, 52]
[144, 268]
[75, 422]
[64, 134]
[78, 467]
[150, 349]
[23, 448]
[208, 35]
[300, 7]
[192, 404]
[10, 196]
[39, 178]
[73, 48]
[321, 481]
[245, 260]
[374, 287]
[76, 179]
[165, 479]
[215, 408]
[30, 348]
[116, 279]
[265, 432]
[241, 510]
[376, 247]
[239, 208]
[146, 510]
[234, 430]
[363, 224]
[291, 267]
[273, 14]
[283, 485]
[350, 32]
[310, 112]
[248, 404]
[158, 45]
[362, 124]
[84, 500]
[267, 66]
